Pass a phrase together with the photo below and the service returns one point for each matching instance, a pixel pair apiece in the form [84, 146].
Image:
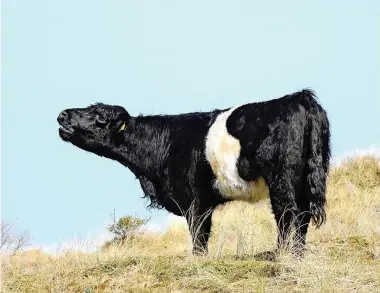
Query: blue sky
[164, 57]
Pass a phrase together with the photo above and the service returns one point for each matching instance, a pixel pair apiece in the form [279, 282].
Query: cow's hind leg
[301, 225]
[284, 207]
[302, 222]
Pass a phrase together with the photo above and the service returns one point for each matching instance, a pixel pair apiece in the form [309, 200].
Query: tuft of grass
[356, 172]
[342, 256]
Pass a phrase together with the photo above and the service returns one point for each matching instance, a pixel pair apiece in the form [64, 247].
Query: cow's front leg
[199, 223]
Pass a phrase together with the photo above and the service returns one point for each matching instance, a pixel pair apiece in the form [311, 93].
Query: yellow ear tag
[122, 127]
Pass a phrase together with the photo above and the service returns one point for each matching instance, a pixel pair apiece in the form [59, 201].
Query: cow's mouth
[65, 132]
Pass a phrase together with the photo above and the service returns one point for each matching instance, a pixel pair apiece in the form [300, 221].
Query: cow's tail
[318, 161]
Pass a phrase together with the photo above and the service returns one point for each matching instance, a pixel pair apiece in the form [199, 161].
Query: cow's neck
[145, 147]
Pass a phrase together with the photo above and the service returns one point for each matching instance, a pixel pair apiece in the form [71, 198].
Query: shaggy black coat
[286, 141]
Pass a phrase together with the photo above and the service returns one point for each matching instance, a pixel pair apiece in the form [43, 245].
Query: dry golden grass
[343, 255]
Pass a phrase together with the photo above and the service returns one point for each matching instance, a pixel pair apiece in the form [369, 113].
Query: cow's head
[98, 128]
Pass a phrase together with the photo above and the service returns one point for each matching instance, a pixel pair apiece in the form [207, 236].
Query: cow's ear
[122, 126]
[122, 121]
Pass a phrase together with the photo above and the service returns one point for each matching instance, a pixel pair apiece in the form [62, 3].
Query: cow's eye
[101, 121]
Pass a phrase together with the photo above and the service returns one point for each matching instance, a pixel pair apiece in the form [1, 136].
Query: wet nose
[62, 116]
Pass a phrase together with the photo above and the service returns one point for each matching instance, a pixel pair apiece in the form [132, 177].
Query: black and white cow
[197, 161]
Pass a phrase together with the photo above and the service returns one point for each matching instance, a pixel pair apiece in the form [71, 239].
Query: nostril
[62, 116]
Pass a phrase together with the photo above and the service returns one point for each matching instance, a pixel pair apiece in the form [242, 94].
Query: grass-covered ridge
[343, 255]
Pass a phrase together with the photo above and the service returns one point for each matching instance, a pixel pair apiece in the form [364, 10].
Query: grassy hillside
[343, 255]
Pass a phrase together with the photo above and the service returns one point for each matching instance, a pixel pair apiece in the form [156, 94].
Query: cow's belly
[222, 152]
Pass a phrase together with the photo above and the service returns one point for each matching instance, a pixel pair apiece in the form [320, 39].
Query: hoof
[270, 255]
[199, 251]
